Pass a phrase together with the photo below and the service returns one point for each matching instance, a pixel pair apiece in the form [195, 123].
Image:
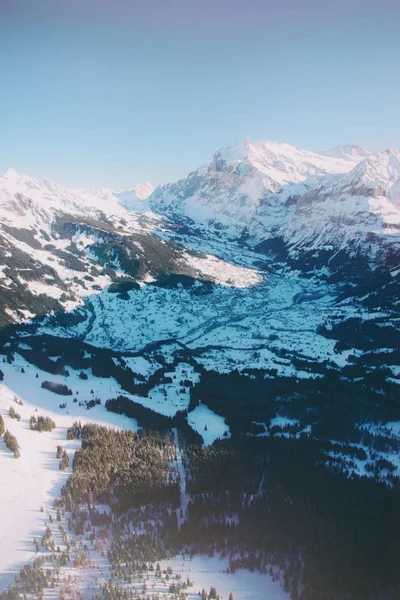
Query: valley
[221, 361]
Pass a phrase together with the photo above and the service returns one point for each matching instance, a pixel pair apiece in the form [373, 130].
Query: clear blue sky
[113, 92]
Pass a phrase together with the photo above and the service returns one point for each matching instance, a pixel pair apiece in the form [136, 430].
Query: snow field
[165, 398]
[205, 571]
[208, 424]
[34, 480]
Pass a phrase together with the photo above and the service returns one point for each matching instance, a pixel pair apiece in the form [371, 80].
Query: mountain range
[260, 191]
[272, 269]
[346, 197]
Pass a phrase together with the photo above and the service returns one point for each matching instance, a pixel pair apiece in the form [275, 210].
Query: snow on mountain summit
[38, 200]
[261, 190]
[32, 202]
[250, 185]
[10, 173]
[281, 163]
[361, 207]
[143, 190]
[132, 199]
[348, 151]
[272, 190]
[378, 174]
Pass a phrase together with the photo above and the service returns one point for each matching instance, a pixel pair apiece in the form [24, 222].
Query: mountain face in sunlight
[272, 264]
[244, 322]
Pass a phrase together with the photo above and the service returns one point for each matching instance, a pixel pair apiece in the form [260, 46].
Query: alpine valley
[243, 324]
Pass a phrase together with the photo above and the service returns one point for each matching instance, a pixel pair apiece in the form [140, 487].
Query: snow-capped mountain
[31, 202]
[132, 199]
[37, 200]
[58, 246]
[360, 209]
[347, 197]
[143, 190]
[249, 185]
[240, 269]
[55, 240]
[270, 190]
[347, 151]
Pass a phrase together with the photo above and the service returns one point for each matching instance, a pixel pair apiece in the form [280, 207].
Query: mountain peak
[10, 174]
[143, 190]
[347, 151]
[237, 152]
[279, 164]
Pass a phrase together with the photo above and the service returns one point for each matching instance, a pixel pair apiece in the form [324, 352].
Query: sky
[109, 93]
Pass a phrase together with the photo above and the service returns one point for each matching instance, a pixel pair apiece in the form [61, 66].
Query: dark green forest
[263, 502]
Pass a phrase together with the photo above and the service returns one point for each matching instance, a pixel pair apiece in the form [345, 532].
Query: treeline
[365, 335]
[80, 356]
[9, 439]
[32, 580]
[148, 418]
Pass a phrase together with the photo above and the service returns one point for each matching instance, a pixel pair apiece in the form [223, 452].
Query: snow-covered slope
[261, 191]
[271, 190]
[132, 199]
[188, 319]
[347, 151]
[42, 269]
[249, 185]
[59, 246]
[361, 208]
[30, 202]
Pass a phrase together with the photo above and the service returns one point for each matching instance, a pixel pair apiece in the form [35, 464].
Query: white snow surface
[270, 189]
[222, 272]
[208, 424]
[132, 199]
[31, 203]
[34, 480]
[262, 189]
[322, 200]
[348, 151]
[205, 571]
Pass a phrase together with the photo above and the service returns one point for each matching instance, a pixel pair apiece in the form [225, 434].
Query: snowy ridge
[37, 201]
[55, 245]
[132, 199]
[193, 319]
[276, 190]
[347, 151]
[26, 201]
[362, 204]
[249, 185]
[263, 190]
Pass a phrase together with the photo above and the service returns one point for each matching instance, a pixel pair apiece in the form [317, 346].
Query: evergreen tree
[11, 443]
[64, 462]
[13, 414]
